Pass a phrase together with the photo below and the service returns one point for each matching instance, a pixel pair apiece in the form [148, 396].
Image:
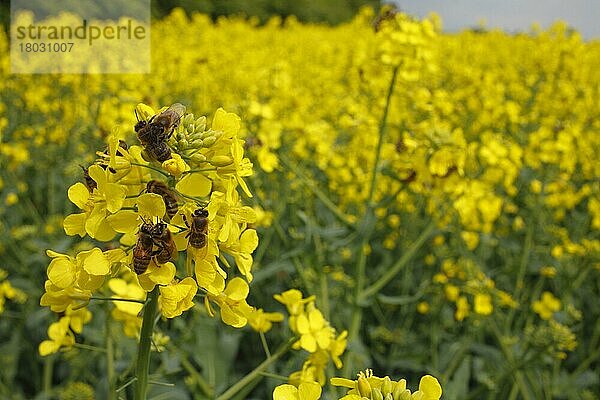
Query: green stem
[518, 374]
[397, 267]
[203, 203]
[275, 376]
[382, 128]
[48, 372]
[90, 348]
[265, 345]
[586, 363]
[159, 383]
[152, 168]
[362, 257]
[257, 372]
[521, 274]
[197, 377]
[318, 192]
[143, 359]
[117, 299]
[191, 171]
[324, 295]
[189, 268]
[110, 358]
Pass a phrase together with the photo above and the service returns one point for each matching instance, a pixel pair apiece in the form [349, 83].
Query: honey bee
[159, 151]
[384, 16]
[160, 127]
[144, 248]
[169, 119]
[167, 250]
[167, 194]
[198, 234]
[89, 182]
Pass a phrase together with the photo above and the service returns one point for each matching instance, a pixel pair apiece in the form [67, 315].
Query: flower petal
[309, 391]
[285, 392]
[237, 289]
[79, 195]
[194, 184]
[74, 224]
[115, 196]
[124, 221]
[94, 262]
[151, 205]
[229, 123]
[61, 272]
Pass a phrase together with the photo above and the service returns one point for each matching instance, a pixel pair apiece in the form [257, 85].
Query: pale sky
[510, 15]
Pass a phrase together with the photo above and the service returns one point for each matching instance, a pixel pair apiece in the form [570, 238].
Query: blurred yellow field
[377, 196]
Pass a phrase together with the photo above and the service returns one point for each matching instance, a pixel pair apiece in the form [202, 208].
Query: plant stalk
[257, 372]
[362, 257]
[143, 359]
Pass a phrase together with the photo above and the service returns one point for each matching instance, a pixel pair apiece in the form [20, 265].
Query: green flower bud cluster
[370, 387]
[193, 140]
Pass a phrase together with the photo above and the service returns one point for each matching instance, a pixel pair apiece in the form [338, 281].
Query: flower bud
[364, 387]
[387, 386]
[195, 136]
[195, 144]
[175, 165]
[221, 161]
[80, 297]
[418, 395]
[388, 397]
[209, 141]
[198, 158]
[144, 112]
[200, 124]
[183, 144]
[399, 388]
[121, 163]
[376, 394]
[403, 395]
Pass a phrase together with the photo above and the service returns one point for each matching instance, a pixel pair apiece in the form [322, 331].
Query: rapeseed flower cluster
[199, 206]
[316, 336]
[366, 386]
[491, 138]
[8, 291]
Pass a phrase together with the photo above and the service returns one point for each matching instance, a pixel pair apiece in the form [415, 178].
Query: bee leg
[155, 253]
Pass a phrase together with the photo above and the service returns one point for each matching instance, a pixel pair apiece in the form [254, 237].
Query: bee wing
[178, 108]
